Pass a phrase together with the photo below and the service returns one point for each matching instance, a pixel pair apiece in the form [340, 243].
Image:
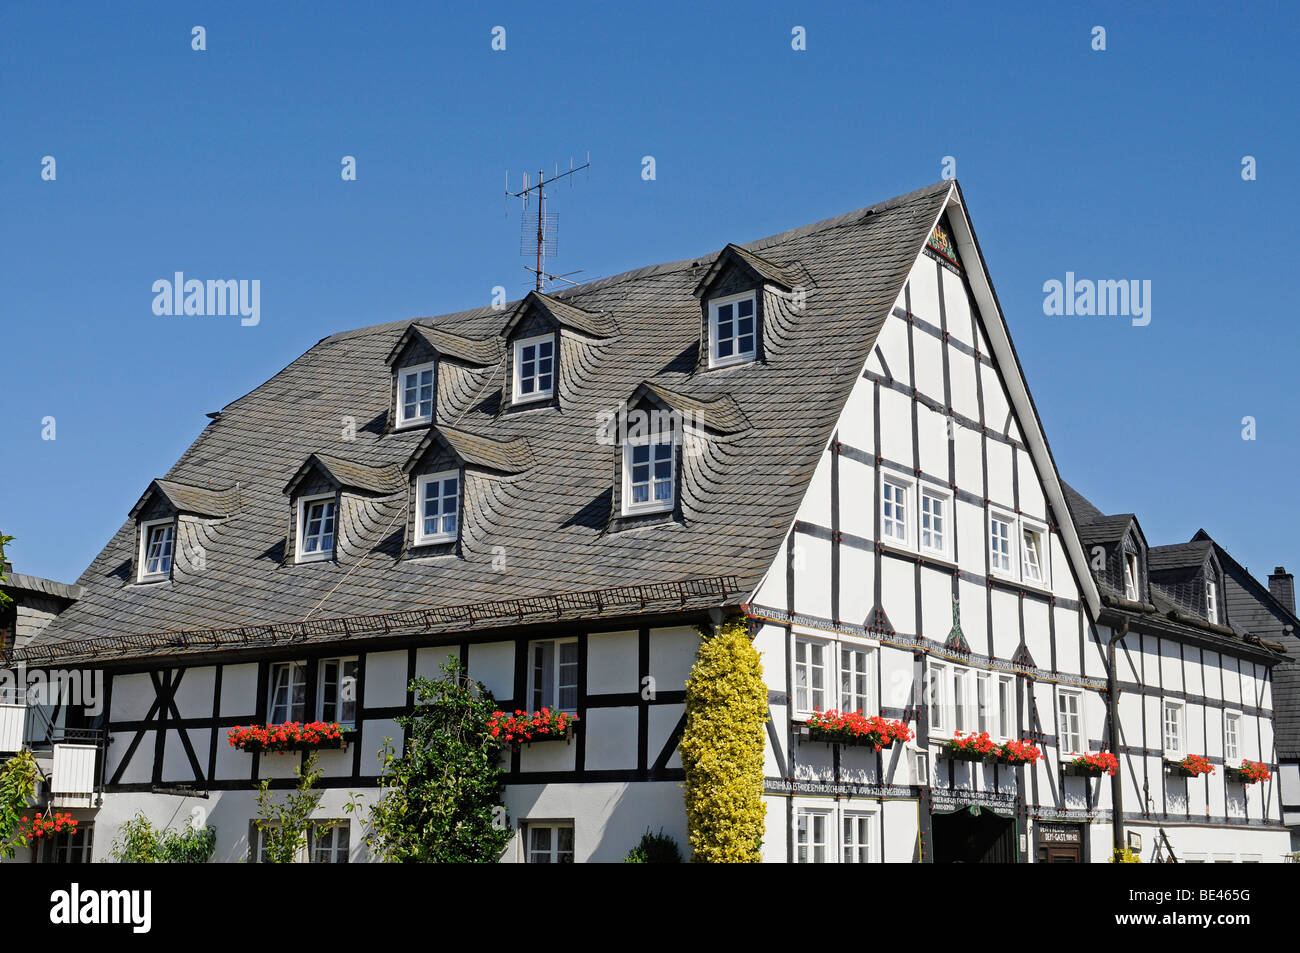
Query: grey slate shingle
[551, 516]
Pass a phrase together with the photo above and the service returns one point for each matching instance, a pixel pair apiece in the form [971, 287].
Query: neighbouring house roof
[549, 516]
[16, 582]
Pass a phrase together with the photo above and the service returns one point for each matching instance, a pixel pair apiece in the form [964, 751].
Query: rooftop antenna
[541, 238]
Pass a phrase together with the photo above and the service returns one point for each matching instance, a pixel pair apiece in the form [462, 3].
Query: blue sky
[1121, 164]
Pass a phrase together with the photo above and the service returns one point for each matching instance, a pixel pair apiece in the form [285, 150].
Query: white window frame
[905, 488]
[1212, 600]
[1012, 570]
[298, 669]
[1132, 588]
[830, 684]
[737, 356]
[553, 853]
[870, 705]
[945, 515]
[650, 505]
[805, 842]
[304, 505]
[402, 374]
[556, 685]
[333, 853]
[1006, 708]
[421, 487]
[517, 392]
[833, 843]
[1179, 751]
[146, 530]
[938, 698]
[1042, 539]
[339, 702]
[964, 715]
[1232, 758]
[1063, 735]
[986, 704]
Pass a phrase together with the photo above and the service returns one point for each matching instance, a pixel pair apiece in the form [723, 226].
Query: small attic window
[1212, 601]
[157, 542]
[648, 477]
[438, 513]
[732, 329]
[415, 395]
[1131, 575]
[317, 517]
[534, 368]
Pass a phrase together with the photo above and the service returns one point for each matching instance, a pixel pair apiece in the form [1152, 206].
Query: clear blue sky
[225, 163]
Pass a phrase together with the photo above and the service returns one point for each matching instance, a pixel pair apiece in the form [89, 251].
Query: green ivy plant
[654, 849]
[17, 791]
[5, 599]
[139, 842]
[441, 796]
[284, 824]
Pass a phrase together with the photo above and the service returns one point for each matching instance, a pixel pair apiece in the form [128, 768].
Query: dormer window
[534, 368]
[317, 516]
[1131, 576]
[415, 395]
[732, 330]
[157, 540]
[438, 513]
[648, 475]
[1211, 601]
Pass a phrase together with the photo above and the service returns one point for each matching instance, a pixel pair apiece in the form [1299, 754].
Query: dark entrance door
[966, 838]
[1060, 844]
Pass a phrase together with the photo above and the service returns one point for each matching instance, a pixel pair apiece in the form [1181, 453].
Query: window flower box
[970, 747]
[1191, 766]
[853, 728]
[525, 727]
[1249, 772]
[1091, 765]
[1018, 752]
[291, 736]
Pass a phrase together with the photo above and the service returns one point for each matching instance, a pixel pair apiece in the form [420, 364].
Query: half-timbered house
[827, 429]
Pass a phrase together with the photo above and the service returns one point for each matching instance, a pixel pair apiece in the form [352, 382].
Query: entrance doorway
[973, 836]
[1060, 843]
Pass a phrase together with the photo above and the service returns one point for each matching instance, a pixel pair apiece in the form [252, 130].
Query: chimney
[1282, 585]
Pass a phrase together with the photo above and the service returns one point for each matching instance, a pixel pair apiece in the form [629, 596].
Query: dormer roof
[590, 323]
[762, 268]
[184, 498]
[347, 474]
[1178, 556]
[477, 352]
[501, 456]
[718, 412]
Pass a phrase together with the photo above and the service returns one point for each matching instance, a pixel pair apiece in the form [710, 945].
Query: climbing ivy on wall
[722, 746]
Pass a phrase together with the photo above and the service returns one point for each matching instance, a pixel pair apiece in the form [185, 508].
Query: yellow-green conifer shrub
[722, 746]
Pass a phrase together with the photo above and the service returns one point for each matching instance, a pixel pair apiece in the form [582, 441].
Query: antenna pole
[541, 197]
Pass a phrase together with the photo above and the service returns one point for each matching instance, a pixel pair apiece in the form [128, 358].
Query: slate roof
[185, 498]
[593, 324]
[551, 518]
[357, 476]
[504, 456]
[476, 351]
[784, 277]
[1177, 556]
[22, 583]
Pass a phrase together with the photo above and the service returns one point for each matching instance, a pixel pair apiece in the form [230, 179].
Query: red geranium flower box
[1102, 762]
[1018, 752]
[1250, 772]
[526, 727]
[855, 728]
[291, 736]
[971, 747]
[1191, 766]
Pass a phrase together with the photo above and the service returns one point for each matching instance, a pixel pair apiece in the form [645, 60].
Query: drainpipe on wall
[1116, 782]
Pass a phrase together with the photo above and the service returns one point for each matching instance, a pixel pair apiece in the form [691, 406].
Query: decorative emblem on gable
[940, 241]
[956, 641]
[1022, 657]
